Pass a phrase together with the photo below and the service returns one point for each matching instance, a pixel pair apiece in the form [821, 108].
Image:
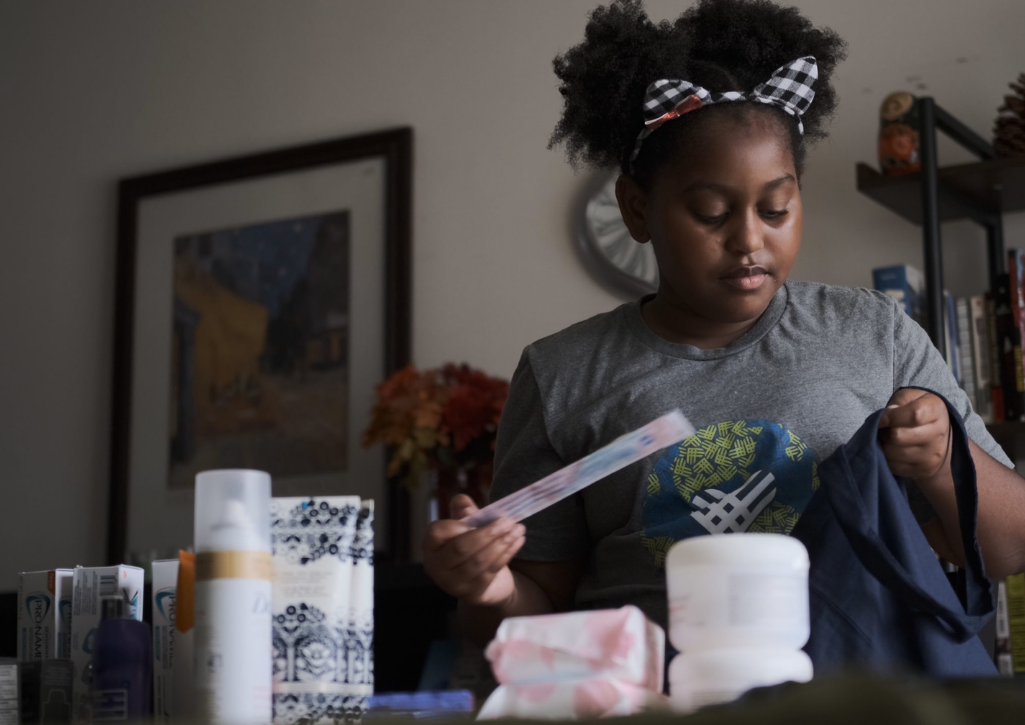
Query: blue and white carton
[91, 584]
[44, 614]
[165, 591]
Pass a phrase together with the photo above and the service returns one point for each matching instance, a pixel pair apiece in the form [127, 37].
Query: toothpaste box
[10, 692]
[65, 581]
[90, 585]
[44, 614]
[165, 588]
[46, 692]
[182, 680]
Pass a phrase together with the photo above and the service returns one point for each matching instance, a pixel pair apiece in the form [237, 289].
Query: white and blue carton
[10, 692]
[91, 585]
[44, 614]
[165, 595]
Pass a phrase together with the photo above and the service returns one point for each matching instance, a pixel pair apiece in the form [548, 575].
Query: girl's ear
[633, 205]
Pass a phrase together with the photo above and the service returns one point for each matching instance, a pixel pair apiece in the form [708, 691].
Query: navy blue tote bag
[879, 597]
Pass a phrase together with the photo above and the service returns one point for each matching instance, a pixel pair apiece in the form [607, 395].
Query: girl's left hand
[916, 440]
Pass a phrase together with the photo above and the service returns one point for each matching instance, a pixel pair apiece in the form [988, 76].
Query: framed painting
[259, 300]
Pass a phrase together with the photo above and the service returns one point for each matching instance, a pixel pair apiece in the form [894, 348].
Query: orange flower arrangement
[444, 420]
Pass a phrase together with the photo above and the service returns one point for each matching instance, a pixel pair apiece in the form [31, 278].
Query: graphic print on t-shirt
[737, 476]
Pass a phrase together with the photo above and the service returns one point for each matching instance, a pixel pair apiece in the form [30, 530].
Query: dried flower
[440, 419]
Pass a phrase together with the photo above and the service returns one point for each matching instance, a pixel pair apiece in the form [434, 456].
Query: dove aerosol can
[232, 654]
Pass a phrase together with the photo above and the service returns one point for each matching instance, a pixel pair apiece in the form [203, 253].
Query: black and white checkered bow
[791, 88]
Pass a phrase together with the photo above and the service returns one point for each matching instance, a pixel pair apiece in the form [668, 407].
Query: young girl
[707, 119]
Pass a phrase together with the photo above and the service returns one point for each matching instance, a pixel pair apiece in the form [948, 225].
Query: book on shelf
[905, 284]
[1016, 274]
[996, 387]
[980, 356]
[983, 335]
[965, 346]
[1008, 338]
[1002, 656]
[1015, 592]
[950, 336]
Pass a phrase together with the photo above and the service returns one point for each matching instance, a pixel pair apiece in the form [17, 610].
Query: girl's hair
[721, 45]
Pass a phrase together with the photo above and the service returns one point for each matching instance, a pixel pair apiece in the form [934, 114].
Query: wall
[94, 92]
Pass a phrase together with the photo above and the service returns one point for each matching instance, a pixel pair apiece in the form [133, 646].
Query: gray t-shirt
[777, 401]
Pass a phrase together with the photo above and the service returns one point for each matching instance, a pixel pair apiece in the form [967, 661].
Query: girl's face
[724, 219]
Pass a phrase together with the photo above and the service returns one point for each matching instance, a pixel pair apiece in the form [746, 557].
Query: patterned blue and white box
[323, 608]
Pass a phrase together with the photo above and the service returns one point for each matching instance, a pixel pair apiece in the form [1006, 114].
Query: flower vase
[454, 481]
[448, 483]
[423, 509]
[429, 501]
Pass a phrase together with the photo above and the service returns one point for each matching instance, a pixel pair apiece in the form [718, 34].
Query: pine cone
[1009, 127]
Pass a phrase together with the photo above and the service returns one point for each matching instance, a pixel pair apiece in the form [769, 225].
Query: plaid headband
[790, 88]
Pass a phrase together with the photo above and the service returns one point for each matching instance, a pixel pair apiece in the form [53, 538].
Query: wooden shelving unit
[996, 186]
[982, 191]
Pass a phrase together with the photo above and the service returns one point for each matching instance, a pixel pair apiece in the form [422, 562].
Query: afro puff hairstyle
[722, 45]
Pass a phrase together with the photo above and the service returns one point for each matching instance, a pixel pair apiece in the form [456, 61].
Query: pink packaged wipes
[592, 697]
[580, 664]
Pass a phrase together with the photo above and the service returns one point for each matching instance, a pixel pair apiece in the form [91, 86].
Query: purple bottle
[122, 665]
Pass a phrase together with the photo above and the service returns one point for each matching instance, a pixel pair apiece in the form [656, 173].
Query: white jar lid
[738, 549]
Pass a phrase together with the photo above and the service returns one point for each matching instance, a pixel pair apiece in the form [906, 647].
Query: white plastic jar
[698, 679]
[737, 591]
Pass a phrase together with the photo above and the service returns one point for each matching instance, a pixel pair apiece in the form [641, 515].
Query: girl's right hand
[472, 564]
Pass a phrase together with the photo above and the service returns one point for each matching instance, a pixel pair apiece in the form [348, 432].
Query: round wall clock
[609, 252]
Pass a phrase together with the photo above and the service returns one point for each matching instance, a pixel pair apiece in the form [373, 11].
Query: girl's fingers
[504, 557]
[913, 461]
[461, 506]
[472, 583]
[921, 411]
[489, 559]
[918, 436]
[512, 551]
[441, 532]
[905, 454]
[484, 579]
[462, 548]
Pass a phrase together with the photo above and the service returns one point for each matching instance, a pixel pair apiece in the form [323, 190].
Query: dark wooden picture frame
[395, 148]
